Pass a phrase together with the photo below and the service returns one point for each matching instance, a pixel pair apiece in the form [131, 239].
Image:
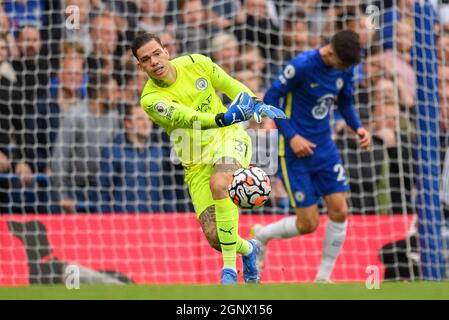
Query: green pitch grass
[402, 290]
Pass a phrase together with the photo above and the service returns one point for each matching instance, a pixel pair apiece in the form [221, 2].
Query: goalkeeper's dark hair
[347, 47]
[142, 39]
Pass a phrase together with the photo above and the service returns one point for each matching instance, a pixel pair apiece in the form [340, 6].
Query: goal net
[91, 191]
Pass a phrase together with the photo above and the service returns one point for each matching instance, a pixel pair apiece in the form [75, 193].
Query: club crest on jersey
[289, 71]
[340, 83]
[300, 196]
[201, 83]
[321, 110]
[160, 108]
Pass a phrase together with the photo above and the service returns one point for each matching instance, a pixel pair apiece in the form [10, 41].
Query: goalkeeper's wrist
[226, 119]
[256, 100]
[220, 120]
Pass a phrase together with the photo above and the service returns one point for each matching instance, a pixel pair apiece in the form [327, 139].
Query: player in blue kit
[310, 165]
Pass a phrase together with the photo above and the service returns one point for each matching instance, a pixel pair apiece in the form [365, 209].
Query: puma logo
[234, 118]
[227, 231]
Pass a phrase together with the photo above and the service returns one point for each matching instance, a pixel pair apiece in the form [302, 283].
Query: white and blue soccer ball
[249, 188]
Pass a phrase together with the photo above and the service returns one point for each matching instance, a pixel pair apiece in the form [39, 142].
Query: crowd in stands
[74, 139]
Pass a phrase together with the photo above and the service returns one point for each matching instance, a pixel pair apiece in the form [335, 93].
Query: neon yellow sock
[227, 220]
[243, 246]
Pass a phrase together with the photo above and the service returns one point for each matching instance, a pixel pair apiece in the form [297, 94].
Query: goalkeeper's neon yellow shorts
[237, 145]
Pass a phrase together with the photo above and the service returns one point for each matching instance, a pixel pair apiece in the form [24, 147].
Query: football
[249, 187]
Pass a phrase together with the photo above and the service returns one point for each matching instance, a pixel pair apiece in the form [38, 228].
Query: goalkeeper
[180, 96]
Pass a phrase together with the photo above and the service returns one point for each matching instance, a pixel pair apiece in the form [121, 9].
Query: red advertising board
[170, 248]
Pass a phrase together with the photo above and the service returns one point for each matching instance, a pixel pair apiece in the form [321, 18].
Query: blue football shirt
[306, 90]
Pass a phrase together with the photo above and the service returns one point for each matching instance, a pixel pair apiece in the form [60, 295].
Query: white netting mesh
[67, 77]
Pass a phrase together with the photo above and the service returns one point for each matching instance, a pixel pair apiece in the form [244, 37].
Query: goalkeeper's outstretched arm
[171, 114]
[174, 115]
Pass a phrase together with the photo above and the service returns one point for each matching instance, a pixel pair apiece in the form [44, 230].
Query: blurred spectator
[5, 32]
[339, 17]
[33, 74]
[390, 16]
[68, 92]
[24, 13]
[443, 90]
[69, 85]
[134, 176]
[97, 6]
[441, 7]
[134, 84]
[31, 67]
[397, 64]
[151, 16]
[223, 14]
[258, 27]
[104, 36]
[80, 33]
[225, 51]
[192, 33]
[389, 65]
[295, 34]
[84, 130]
[170, 43]
[402, 11]
[443, 12]
[6, 69]
[404, 36]
[399, 146]
[366, 34]
[315, 17]
[7, 80]
[373, 66]
[443, 49]
[127, 17]
[384, 92]
[252, 80]
[308, 6]
[367, 171]
[251, 58]
[444, 191]
[348, 17]
[385, 117]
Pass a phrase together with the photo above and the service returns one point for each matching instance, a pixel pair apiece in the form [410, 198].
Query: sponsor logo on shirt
[205, 104]
[321, 110]
[340, 83]
[201, 83]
